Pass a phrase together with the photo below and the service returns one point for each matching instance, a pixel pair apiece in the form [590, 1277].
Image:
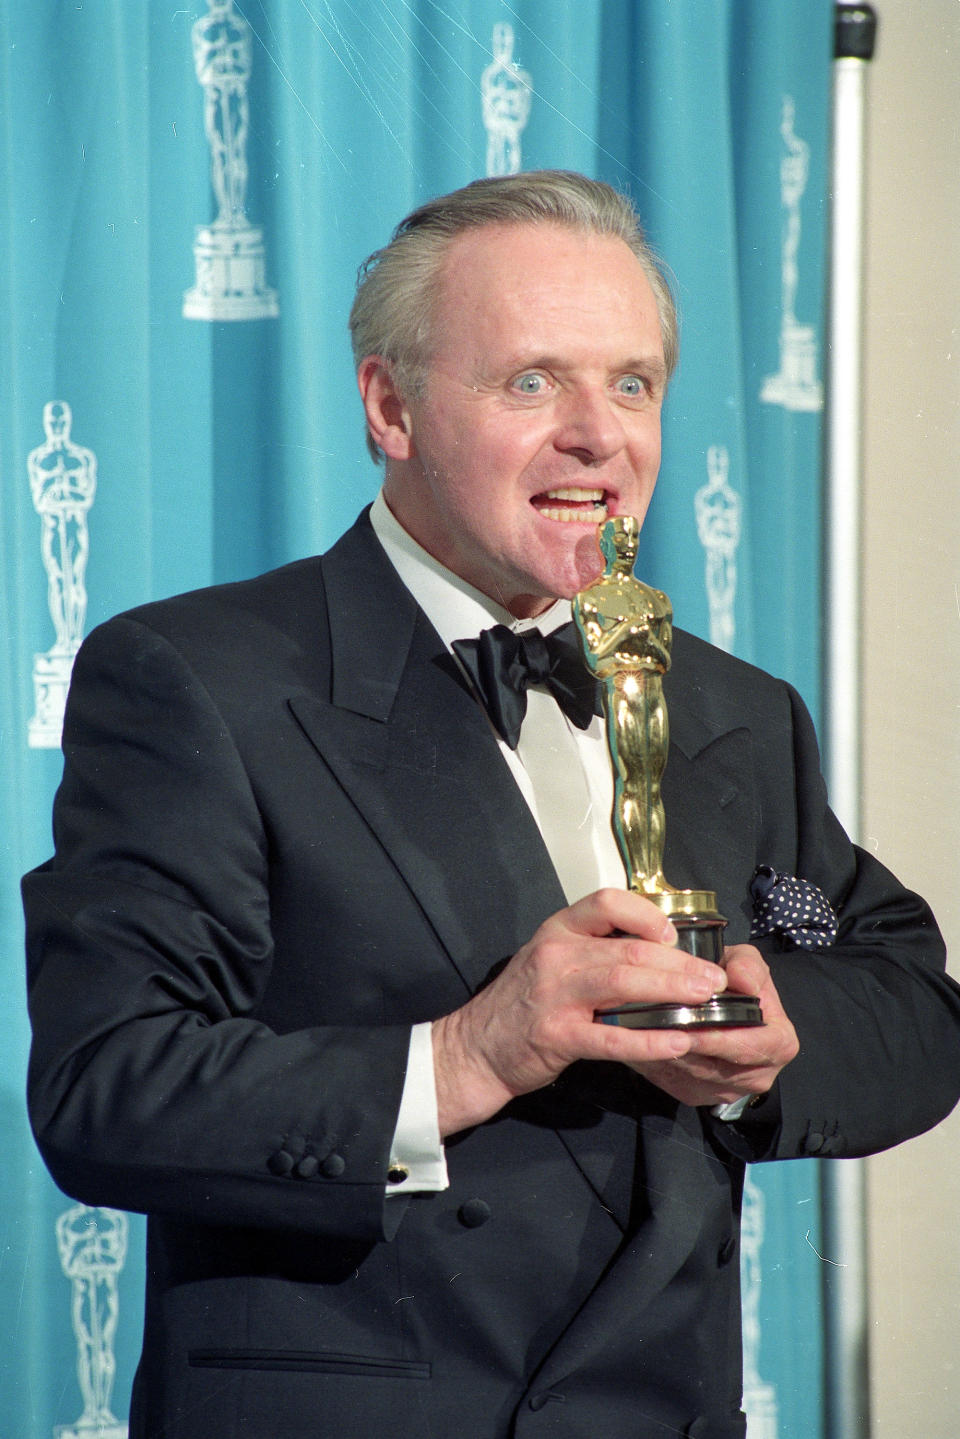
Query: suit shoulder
[281, 592]
[726, 691]
[697, 656]
[284, 599]
[238, 635]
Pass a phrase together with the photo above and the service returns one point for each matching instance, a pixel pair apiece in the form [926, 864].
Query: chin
[563, 586]
[563, 575]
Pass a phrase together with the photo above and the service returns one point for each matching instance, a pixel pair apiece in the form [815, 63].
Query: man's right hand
[537, 1017]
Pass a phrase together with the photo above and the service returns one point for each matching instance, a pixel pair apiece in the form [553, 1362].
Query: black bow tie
[503, 665]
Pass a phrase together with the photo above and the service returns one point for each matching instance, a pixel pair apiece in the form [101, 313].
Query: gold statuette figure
[625, 631]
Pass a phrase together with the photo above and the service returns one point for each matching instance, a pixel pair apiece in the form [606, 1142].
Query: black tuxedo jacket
[285, 833]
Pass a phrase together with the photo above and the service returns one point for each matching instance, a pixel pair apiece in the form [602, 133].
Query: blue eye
[529, 384]
[632, 385]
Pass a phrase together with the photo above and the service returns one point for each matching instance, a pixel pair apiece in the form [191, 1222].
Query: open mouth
[582, 505]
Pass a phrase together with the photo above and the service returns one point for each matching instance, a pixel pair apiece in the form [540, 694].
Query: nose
[590, 428]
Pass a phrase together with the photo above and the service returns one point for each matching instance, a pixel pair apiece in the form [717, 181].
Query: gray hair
[397, 285]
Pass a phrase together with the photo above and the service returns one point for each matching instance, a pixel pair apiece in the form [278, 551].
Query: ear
[388, 417]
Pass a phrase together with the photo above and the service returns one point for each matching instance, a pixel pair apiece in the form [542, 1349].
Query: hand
[722, 1065]
[537, 1016]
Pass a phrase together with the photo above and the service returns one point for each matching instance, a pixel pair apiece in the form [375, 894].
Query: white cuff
[417, 1161]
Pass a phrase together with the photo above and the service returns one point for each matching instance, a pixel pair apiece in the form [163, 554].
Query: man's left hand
[723, 1065]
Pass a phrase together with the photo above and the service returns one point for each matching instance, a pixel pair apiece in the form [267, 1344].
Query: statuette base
[231, 283]
[51, 681]
[699, 927]
[724, 1011]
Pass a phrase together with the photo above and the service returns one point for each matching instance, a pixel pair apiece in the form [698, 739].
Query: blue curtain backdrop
[145, 450]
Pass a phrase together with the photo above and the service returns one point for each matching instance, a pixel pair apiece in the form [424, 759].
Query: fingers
[747, 970]
[561, 969]
[722, 1065]
[607, 910]
[635, 972]
[777, 1043]
[626, 952]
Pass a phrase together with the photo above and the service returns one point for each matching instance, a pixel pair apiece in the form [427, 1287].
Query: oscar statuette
[625, 631]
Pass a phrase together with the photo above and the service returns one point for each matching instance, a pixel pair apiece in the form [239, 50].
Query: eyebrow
[652, 365]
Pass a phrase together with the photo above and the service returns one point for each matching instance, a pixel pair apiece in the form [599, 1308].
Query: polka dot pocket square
[793, 908]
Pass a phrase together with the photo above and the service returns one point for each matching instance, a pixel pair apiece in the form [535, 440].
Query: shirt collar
[454, 608]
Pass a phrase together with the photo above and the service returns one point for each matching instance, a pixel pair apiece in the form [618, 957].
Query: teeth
[593, 516]
[576, 494]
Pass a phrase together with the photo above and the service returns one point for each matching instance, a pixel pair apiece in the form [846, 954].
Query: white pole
[846, 1330]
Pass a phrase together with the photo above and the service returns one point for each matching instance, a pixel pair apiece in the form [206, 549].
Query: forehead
[536, 284]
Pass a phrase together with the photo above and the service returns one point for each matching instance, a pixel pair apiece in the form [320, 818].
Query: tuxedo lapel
[710, 803]
[416, 754]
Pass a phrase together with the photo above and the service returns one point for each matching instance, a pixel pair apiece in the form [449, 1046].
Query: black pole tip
[855, 32]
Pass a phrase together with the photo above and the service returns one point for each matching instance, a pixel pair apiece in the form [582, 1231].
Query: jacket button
[308, 1166]
[333, 1166]
[473, 1213]
[280, 1163]
[814, 1142]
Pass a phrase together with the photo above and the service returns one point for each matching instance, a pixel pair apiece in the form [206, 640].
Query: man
[307, 987]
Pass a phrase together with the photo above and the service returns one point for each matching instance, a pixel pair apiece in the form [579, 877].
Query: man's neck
[454, 607]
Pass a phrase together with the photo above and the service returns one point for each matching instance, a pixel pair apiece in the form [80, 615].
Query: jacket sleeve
[151, 1085]
[877, 1017]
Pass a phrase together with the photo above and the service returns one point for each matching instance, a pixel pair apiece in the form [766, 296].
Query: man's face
[541, 411]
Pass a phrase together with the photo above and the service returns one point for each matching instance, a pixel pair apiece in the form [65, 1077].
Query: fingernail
[668, 934]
